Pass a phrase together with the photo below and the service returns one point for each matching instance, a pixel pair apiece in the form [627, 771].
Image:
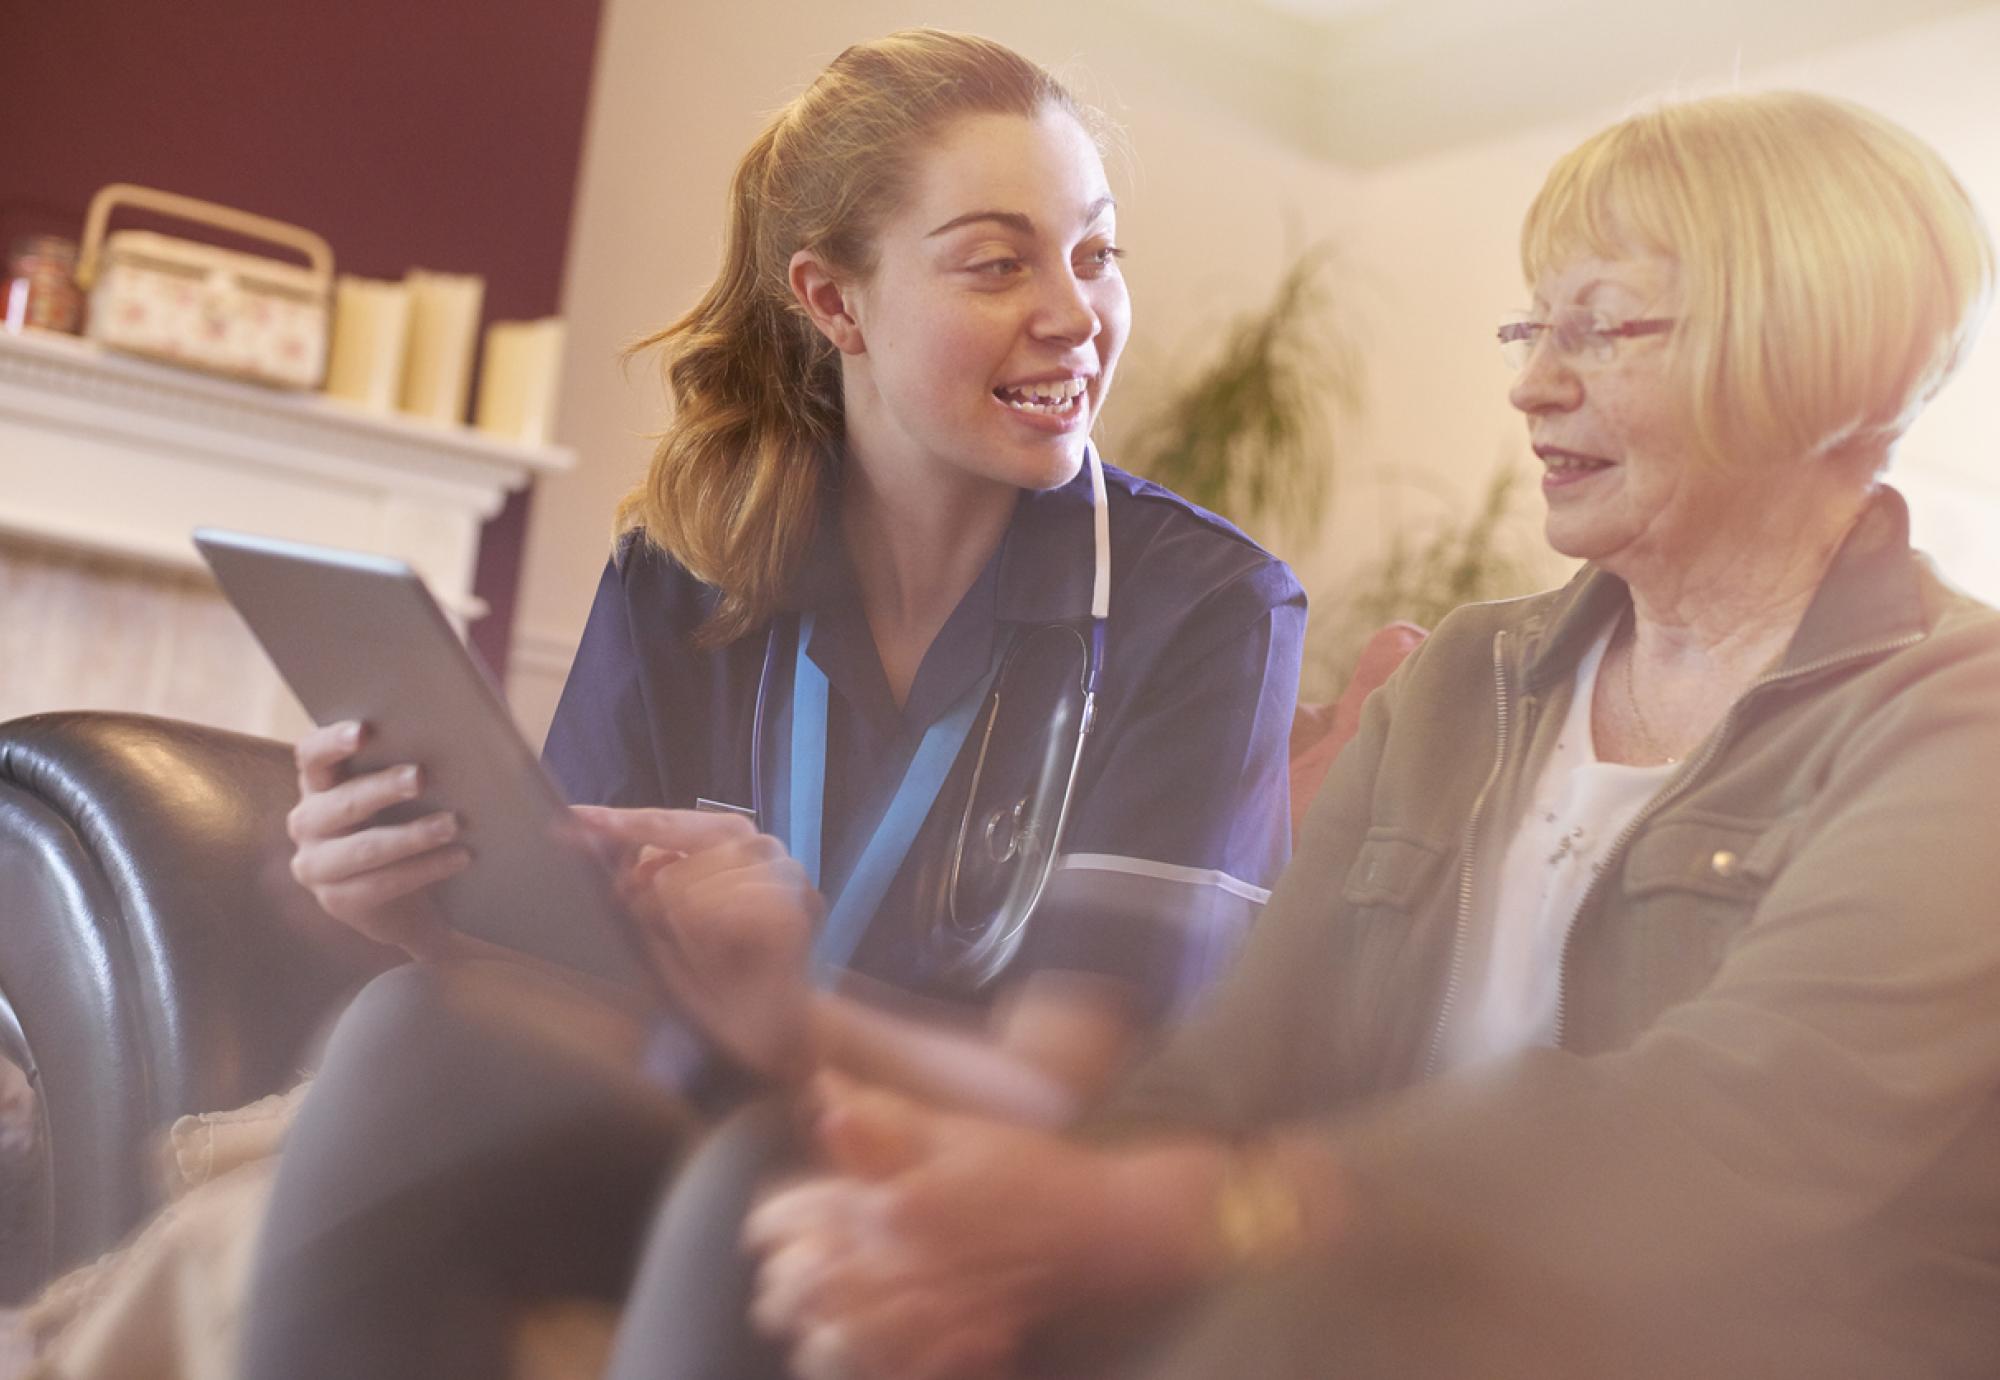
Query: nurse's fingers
[367, 900]
[321, 752]
[698, 886]
[674, 831]
[347, 806]
[331, 862]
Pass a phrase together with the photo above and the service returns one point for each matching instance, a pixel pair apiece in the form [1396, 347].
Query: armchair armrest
[158, 958]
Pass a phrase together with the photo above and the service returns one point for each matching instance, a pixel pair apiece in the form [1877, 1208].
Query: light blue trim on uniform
[808, 761]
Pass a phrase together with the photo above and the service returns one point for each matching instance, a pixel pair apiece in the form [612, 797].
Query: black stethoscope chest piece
[984, 865]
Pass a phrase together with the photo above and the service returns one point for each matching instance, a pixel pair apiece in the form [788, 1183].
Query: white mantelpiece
[103, 455]
[125, 457]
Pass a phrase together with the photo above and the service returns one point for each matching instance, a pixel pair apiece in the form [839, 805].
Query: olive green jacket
[1769, 1142]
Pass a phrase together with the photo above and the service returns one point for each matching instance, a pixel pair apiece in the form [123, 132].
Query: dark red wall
[440, 134]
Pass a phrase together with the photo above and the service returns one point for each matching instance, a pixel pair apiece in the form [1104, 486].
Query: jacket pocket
[1719, 858]
[1396, 929]
[1691, 884]
[1391, 869]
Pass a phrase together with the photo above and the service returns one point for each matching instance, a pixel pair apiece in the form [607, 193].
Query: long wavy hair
[736, 481]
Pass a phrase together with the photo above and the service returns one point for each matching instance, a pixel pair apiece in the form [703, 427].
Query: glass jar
[41, 285]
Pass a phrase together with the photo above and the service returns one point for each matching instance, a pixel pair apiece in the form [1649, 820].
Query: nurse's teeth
[1057, 396]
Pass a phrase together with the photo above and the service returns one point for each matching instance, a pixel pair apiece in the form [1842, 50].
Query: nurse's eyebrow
[1015, 220]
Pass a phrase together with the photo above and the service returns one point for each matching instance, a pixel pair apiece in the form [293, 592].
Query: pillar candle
[517, 380]
[444, 331]
[370, 324]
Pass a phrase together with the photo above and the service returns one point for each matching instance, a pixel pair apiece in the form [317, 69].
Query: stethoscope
[1003, 846]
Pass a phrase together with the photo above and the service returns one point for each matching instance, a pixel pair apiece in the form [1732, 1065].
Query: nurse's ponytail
[739, 476]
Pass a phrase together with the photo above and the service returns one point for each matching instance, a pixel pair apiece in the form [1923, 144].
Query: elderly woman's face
[1621, 473]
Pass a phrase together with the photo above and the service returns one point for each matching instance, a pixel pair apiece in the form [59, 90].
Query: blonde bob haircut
[1833, 271]
[738, 477]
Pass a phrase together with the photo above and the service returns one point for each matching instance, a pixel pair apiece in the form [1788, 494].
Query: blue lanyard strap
[855, 906]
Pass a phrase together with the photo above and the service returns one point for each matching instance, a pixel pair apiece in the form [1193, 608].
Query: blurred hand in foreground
[937, 1241]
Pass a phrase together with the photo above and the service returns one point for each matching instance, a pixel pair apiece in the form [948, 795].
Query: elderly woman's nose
[1546, 382]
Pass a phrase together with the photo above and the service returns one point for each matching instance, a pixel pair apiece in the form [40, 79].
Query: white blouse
[1576, 810]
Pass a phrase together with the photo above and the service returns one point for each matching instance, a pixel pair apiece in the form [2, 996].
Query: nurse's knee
[421, 1012]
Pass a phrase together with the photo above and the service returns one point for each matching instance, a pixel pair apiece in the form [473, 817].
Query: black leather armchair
[156, 958]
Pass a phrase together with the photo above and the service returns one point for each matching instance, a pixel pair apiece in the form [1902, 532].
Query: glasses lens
[1518, 333]
[1582, 333]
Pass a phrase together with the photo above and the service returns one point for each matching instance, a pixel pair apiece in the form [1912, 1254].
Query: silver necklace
[1647, 740]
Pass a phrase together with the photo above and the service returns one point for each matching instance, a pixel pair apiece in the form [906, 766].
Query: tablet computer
[360, 637]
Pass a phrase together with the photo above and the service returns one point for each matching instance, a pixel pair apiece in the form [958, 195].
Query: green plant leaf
[1250, 434]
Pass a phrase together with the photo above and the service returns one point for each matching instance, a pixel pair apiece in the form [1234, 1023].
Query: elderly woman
[1632, 1006]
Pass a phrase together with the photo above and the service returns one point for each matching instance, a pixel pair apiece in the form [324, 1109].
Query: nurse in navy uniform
[934, 751]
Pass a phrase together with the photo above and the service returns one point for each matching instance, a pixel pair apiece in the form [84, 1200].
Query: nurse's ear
[825, 299]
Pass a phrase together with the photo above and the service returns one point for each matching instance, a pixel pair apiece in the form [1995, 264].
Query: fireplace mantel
[124, 457]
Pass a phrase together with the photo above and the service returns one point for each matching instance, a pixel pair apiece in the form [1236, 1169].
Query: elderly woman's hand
[927, 1256]
[941, 1240]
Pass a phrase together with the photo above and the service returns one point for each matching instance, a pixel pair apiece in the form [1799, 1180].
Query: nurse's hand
[376, 878]
[731, 917]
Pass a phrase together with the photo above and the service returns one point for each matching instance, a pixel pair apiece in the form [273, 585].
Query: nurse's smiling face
[984, 338]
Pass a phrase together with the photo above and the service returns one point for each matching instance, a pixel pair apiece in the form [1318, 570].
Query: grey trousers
[478, 1135]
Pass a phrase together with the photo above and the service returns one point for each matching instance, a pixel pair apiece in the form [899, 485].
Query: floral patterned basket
[218, 310]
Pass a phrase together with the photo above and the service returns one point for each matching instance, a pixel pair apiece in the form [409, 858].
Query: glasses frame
[1578, 332]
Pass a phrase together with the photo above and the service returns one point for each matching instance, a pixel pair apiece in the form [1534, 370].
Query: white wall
[1208, 210]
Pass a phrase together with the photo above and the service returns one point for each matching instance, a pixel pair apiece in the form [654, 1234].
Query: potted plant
[1250, 433]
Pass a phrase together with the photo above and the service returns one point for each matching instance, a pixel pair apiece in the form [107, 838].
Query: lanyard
[882, 858]
[862, 892]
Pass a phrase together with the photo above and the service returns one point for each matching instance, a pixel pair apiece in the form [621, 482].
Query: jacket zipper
[1434, 1058]
[1678, 787]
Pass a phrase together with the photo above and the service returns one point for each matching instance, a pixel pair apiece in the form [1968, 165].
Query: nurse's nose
[1064, 312]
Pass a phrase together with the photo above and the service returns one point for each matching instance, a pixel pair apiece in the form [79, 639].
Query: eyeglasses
[1581, 333]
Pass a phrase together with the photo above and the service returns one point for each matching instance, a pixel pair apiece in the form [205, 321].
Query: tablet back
[359, 637]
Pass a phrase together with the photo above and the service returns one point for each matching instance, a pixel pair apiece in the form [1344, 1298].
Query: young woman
[1016, 722]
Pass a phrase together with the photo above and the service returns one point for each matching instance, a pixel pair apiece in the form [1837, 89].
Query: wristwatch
[1260, 1218]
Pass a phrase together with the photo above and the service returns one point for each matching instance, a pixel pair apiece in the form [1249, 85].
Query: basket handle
[318, 253]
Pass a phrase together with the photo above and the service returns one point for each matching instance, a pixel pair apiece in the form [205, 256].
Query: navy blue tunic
[1178, 822]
